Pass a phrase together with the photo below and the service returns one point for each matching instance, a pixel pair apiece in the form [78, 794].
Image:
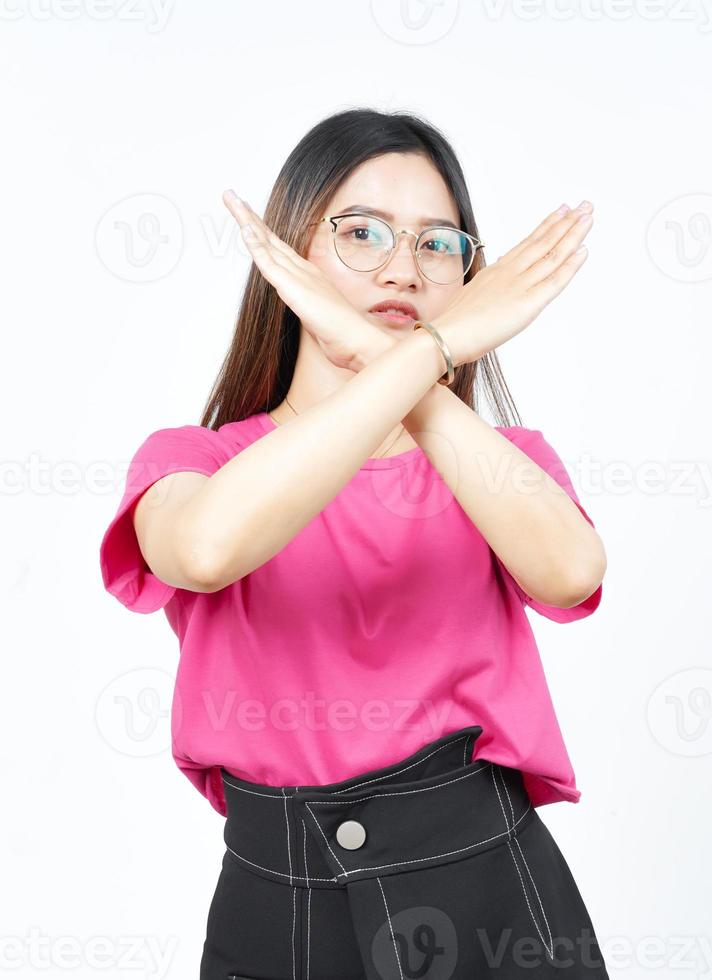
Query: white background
[544, 103]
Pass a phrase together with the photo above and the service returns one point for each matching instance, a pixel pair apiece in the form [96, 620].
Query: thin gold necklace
[377, 456]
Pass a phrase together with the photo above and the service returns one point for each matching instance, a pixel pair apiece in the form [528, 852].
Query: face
[409, 192]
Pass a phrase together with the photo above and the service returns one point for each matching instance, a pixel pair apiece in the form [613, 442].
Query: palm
[339, 329]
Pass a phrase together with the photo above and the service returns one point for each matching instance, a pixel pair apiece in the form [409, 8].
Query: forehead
[405, 185]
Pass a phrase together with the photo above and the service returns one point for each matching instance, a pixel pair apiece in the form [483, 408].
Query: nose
[401, 267]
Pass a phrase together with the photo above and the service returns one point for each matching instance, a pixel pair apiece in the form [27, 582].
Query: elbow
[198, 571]
[568, 589]
[581, 587]
[201, 567]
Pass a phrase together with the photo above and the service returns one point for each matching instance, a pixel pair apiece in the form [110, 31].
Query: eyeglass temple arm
[478, 244]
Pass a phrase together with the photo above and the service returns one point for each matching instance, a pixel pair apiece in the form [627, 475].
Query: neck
[314, 379]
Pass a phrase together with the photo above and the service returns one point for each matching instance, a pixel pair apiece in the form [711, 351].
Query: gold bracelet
[447, 378]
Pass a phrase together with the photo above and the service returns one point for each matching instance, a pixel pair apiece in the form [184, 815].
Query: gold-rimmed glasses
[365, 243]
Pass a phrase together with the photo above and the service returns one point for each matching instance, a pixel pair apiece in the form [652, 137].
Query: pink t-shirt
[385, 623]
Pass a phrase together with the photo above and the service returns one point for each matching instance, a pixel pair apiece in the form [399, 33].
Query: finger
[541, 228]
[551, 246]
[245, 214]
[251, 232]
[550, 231]
[236, 207]
[545, 290]
[558, 253]
[267, 259]
[255, 235]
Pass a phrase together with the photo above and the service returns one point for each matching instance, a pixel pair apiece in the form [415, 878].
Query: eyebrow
[444, 222]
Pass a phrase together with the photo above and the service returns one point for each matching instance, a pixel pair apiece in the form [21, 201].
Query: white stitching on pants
[548, 927]
[550, 947]
[289, 845]
[324, 836]
[506, 790]
[294, 919]
[464, 753]
[309, 891]
[403, 792]
[393, 864]
[252, 792]
[306, 866]
[390, 926]
[397, 772]
[282, 874]
[531, 877]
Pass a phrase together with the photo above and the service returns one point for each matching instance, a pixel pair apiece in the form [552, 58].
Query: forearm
[258, 501]
[528, 520]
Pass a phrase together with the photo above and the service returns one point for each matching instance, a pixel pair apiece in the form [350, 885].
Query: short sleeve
[124, 570]
[533, 443]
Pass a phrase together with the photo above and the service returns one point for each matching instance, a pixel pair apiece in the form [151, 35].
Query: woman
[345, 549]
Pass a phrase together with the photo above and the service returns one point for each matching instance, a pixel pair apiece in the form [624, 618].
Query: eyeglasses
[365, 243]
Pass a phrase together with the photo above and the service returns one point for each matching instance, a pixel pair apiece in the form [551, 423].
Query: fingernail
[585, 206]
[231, 194]
[563, 209]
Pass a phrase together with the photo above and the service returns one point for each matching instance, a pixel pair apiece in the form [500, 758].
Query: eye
[441, 245]
[360, 230]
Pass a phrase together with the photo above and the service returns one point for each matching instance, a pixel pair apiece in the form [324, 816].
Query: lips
[403, 310]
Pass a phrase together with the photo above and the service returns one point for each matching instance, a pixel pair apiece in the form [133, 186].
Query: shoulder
[530, 441]
[182, 442]
[519, 433]
[180, 445]
[533, 443]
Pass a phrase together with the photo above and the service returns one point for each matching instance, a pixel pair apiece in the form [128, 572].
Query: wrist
[465, 341]
[449, 335]
[377, 343]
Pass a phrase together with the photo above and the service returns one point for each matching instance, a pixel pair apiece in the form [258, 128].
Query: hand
[344, 335]
[503, 298]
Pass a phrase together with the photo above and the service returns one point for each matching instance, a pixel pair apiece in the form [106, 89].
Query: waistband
[434, 806]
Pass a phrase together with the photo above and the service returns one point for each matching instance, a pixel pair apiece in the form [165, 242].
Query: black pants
[435, 867]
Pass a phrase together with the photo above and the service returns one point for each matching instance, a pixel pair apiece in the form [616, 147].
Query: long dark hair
[259, 365]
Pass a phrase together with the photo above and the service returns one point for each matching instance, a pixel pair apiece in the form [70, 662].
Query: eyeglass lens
[364, 243]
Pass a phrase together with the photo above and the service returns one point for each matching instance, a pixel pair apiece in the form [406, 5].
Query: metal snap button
[350, 834]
